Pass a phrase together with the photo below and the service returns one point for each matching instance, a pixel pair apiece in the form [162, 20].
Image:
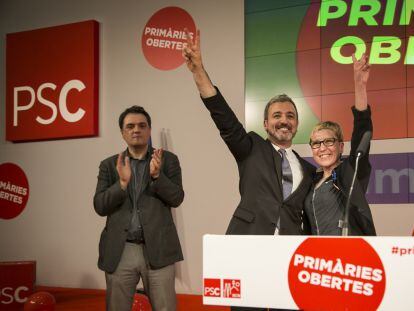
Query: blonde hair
[329, 125]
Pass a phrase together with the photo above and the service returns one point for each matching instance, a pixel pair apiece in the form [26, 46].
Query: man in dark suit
[274, 179]
[135, 192]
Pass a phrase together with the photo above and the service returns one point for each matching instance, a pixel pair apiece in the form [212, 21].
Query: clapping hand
[123, 168]
[155, 164]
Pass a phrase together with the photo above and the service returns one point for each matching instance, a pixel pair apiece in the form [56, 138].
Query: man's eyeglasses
[328, 142]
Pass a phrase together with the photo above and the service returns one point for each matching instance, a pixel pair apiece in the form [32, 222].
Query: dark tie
[287, 179]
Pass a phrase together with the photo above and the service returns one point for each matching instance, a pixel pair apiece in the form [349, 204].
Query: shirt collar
[277, 148]
[146, 157]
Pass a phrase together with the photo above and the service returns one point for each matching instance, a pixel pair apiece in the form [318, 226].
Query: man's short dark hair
[134, 109]
[282, 98]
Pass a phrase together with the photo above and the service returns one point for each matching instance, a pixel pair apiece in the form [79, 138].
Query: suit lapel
[146, 177]
[277, 162]
[131, 182]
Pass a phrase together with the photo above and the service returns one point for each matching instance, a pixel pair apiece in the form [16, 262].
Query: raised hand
[124, 171]
[361, 75]
[192, 53]
[361, 69]
[155, 164]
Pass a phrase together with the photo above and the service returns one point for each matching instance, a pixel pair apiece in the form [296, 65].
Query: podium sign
[307, 272]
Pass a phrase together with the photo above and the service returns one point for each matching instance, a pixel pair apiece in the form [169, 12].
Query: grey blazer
[162, 244]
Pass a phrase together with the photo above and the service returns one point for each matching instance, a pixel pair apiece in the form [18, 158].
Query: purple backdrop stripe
[411, 178]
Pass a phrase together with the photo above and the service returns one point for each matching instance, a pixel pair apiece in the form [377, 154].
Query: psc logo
[212, 287]
[52, 82]
[9, 295]
[16, 283]
[229, 288]
[61, 106]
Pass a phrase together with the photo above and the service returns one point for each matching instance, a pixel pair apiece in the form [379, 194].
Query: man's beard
[281, 137]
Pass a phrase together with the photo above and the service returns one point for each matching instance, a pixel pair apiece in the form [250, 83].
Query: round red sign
[336, 274]
[14, 190]
[163, 37]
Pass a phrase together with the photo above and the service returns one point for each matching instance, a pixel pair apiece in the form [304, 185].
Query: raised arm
[231, 130]
[192, 56]
[361, 75]
[362, 117]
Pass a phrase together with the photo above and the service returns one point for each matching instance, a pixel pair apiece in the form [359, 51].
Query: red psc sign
[16, 283]
[212, 287]
[52, 82]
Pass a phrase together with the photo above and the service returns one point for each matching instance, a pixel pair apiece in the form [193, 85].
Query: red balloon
[40, 301]
[141, 303]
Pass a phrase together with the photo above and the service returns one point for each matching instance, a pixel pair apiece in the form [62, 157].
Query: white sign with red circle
[163, 37]
[310, 273]
[14, 190]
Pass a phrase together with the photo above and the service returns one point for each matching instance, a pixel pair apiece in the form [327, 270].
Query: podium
[308, 272]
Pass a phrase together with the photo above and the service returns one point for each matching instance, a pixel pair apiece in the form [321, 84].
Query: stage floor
[70, 299]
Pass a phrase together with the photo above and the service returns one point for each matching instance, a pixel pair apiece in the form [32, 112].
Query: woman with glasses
[325, 203]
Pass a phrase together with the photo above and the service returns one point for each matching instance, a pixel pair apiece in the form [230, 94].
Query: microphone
[363, 145]
[361, 150]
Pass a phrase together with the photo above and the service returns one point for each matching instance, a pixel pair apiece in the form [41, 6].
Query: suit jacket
[162, 245]
[260, 185]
